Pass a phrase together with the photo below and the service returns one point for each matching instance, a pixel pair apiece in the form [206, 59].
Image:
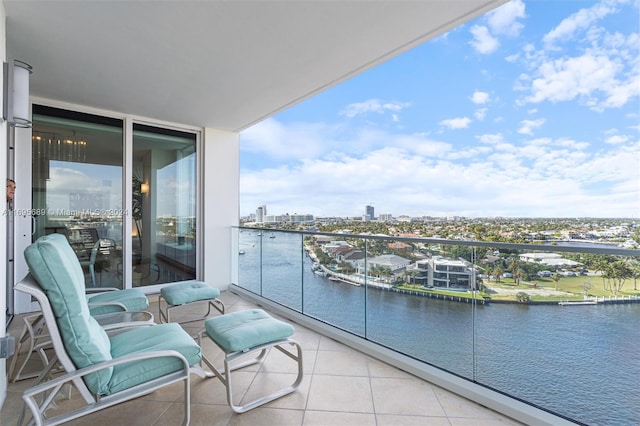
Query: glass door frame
[23, 199]
[128, 197]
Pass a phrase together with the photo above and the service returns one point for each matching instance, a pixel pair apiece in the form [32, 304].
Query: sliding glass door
[77, 191]
[164, 210]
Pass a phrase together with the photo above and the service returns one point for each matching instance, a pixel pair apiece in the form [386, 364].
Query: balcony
[341, 386]
[389, 348]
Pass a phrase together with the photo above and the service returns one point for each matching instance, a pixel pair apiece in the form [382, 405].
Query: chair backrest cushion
[54, 265]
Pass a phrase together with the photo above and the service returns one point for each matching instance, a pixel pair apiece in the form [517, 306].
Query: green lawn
[574, 285]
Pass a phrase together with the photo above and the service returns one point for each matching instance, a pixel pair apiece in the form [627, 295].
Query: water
[578, 361]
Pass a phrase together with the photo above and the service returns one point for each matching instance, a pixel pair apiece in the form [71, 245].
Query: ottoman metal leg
[186, 293]
[229, 366]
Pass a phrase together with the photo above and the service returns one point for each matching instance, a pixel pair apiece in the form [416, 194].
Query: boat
[241, 252]
[317, 269]
[272, 236]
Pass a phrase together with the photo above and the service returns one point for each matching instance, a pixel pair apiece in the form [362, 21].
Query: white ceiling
[220, 64]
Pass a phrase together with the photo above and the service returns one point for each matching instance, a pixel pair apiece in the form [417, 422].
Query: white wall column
[3, 218]
[220, 204]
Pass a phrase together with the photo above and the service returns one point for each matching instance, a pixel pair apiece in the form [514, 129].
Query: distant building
[386, 217]
[301, 218]
[369, 213]
[395, 264]
[261, 212]
[443, 272]
[548, 259]
[272, 218]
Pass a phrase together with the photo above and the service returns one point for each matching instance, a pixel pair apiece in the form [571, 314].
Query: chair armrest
[114, 303]
[51, 388]
[94, 290]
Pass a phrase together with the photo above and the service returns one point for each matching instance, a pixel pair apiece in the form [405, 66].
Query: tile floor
[341, 387]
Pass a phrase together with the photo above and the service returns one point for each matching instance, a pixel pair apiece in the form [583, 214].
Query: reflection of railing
[518, 346]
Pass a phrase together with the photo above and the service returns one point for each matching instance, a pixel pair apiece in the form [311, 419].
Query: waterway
[578, 361]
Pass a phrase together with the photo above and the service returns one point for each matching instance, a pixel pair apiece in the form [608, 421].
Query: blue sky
[532, 110]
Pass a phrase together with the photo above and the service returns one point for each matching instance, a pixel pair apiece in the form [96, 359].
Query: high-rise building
[261, 212]
[369, 213]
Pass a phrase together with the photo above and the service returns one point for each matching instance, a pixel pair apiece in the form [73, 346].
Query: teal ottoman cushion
[192, 291]
[239, 331]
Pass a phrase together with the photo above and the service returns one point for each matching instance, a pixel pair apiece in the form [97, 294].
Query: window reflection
[77, 188]
[163, 206]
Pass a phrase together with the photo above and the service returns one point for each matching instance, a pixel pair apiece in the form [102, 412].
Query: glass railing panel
[563, 329]
[332, 293]
[419, 313]
[539, 323]
[282, 254]
[250, 259]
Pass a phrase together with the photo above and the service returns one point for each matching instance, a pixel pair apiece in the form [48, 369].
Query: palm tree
[556, 277]
[515, 270]
[497, 271]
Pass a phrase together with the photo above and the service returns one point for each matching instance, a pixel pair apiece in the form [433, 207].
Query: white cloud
[417, 176]
[616, 139]
[491, 139]
[479, 97]
[512, 58]
[456, 123]
[272, 139]
[585, 77]
[527, 126]
[483, 42]
[372, 105]
[504, 19]
[480, 114]
[583, 19]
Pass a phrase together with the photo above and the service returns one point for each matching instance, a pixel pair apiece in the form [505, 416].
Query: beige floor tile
[308, 340]
[138, 412]
[398, 420]
[266, 384]
[325, 418]
[460, 408]
[201, 415]
[328, 344]
[268, 416]
[381, 369]
[405, 396]
[341, 363]
[340, 393]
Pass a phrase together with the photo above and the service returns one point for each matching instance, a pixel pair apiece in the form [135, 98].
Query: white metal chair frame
[35, 332]
[46, 391]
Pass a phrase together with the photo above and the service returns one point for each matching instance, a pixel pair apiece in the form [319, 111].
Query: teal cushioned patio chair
[106, 370]
[112, 307]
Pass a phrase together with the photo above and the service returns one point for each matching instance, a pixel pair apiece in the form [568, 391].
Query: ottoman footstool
[182, 294]
[240, 333]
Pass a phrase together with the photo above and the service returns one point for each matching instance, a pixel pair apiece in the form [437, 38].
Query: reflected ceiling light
[16, 93]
